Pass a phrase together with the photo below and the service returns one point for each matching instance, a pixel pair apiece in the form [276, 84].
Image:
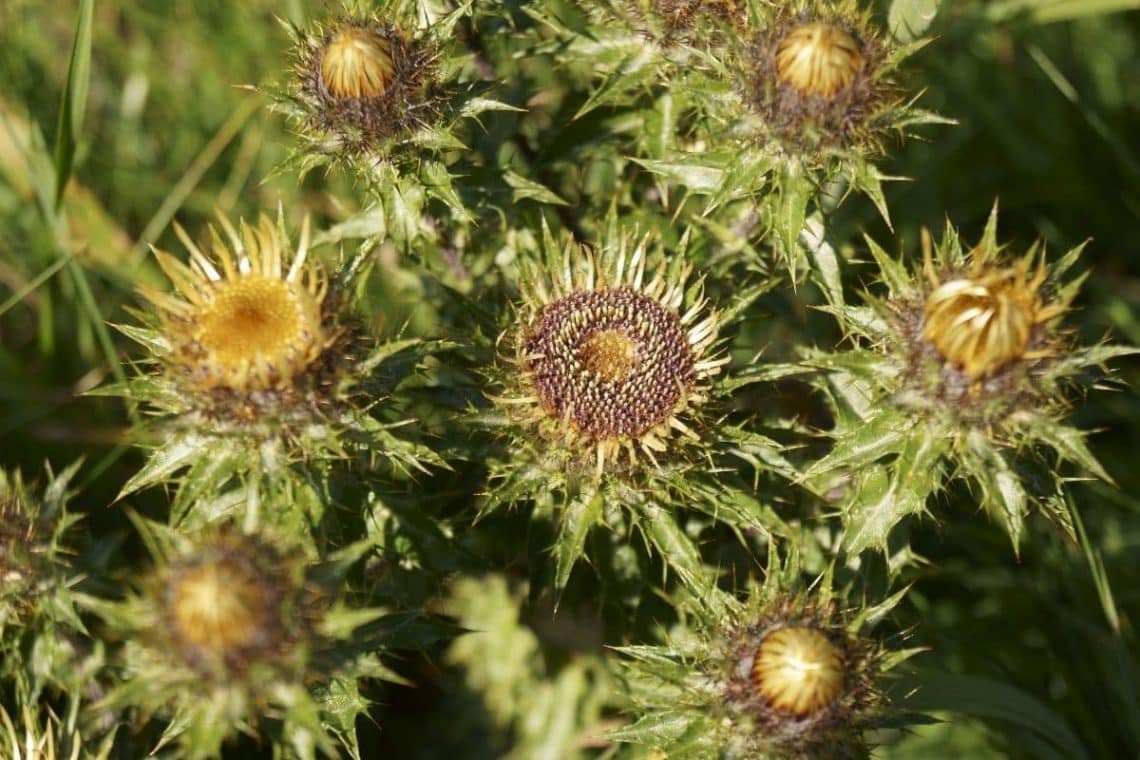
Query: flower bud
[357, 63]
[818, 59]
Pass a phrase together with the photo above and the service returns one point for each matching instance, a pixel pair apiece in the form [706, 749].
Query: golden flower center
[613, 363]
[220, 606]
[798, 670]
[358, 63]
[981, 326]
[818, 59]
[257, 331]
[609, 354]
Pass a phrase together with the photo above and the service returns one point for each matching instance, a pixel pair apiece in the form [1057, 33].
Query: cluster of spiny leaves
[597, 203]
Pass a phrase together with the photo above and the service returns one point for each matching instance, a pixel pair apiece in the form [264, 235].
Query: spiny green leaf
[578, 516]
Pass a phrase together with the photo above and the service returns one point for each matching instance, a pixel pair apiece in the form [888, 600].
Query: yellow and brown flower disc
[357, 63]
[984, 321]
[224, 605]
[819, 59]
[798, 670]
[611, 364]
[245, 319]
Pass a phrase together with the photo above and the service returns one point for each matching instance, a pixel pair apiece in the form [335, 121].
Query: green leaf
[1003, 495]
[578, 516]
[74, 101]
[699, 174]
[676, 548]
[909, 19]
[526, 189]
[887, 495]
[994, 700]
[1049, 11]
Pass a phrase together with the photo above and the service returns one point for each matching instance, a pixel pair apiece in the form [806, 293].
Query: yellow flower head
[224, 606]
[819, 59]
[357, 63]
[983, 321]
[608, 358]
[245, 318]
[798, 670]
[361, 85]
[819, 76]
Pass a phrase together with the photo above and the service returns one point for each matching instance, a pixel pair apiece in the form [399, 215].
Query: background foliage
[1029, 656]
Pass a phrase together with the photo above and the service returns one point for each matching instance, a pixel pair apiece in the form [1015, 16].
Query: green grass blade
[74, 100]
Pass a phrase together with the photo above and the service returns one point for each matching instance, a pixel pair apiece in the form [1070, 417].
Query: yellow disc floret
[984, 321]
[242, 322]
[357, 63]
[798, 670]
[610, 354]
[818, 59]
[223, 605]
[219, 606]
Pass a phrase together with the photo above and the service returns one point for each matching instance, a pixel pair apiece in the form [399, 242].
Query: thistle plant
[558, 380]
[255, 362]
[776, 673]
[227, 628]
[965, 362]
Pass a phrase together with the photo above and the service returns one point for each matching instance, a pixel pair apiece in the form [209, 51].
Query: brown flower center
[358, 63]
[981, 325]
[615, 363]
[798, 670]
[818, 59]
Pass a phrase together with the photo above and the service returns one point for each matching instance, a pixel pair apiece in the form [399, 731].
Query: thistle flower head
[818, 59]
[797, 670]
[357, 63]
[820, 78]
[773, 675]
[246, 318]
[984, 320]
[32, 555]
[609, 359]
[227, 628]
[965, 361]
[227, 604]
[980, 328]
[360, 85]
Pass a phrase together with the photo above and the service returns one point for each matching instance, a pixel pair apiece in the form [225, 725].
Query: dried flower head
[770, 675]
[964, 371]
[357, 63]
[819, 77]
[360, 83]
[984, 320]
[980, 329]
[233, 632]
[244, 319]
[608, 359]
[818, 59]
[802, 680]
[798, 670]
